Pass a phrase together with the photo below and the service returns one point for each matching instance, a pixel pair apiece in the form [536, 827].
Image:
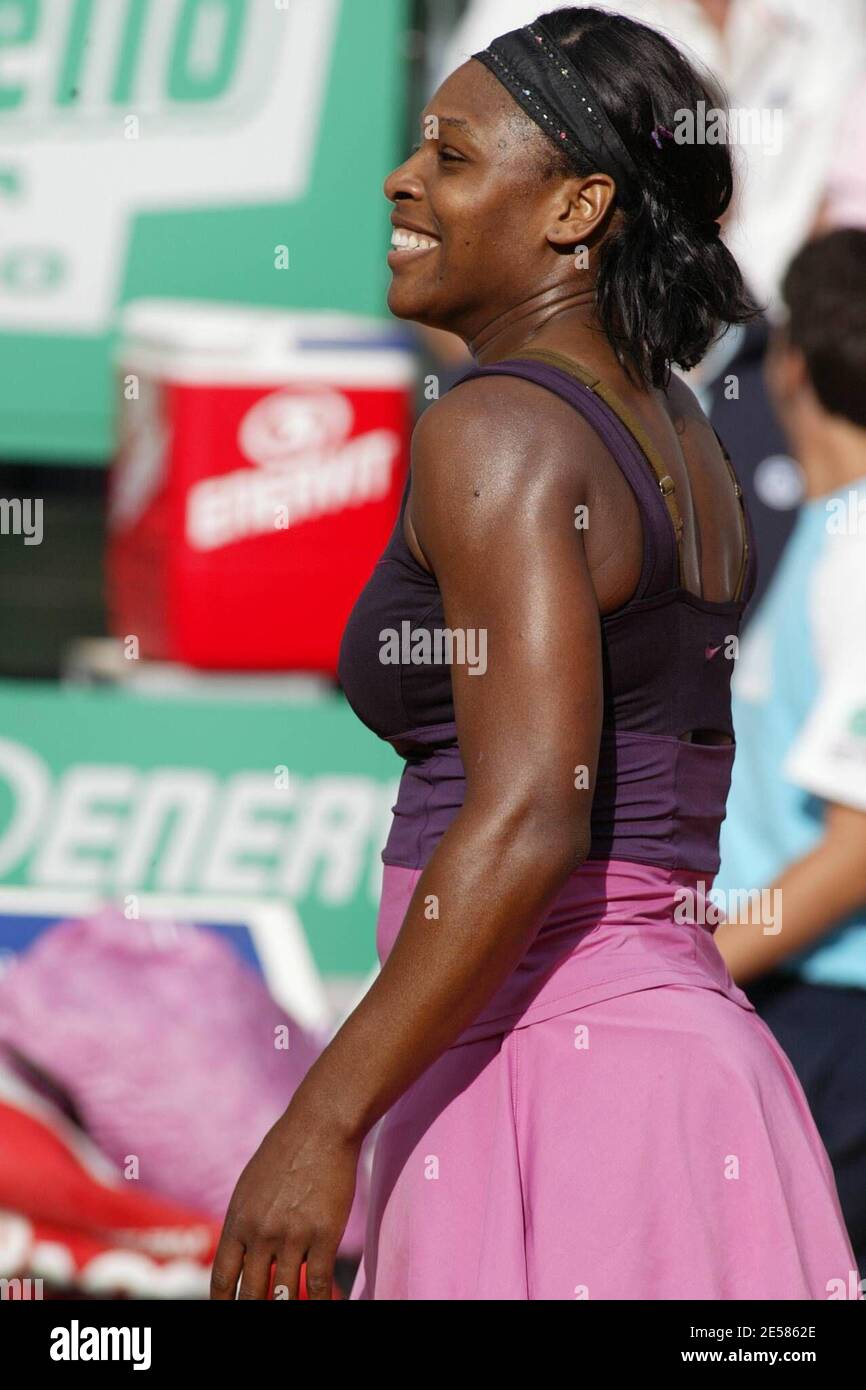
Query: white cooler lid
[199, 341]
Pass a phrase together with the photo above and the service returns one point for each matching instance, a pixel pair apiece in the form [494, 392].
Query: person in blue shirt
[792, 881]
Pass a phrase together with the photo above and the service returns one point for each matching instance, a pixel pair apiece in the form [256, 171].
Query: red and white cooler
[260, 465]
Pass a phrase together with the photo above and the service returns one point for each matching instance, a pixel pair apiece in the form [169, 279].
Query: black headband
[543, 80]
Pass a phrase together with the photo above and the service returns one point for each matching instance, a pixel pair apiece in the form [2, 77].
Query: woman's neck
[567, 325]
[558, 317]
[832, 453]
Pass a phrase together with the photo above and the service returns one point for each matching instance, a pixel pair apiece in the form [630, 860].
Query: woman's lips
[407, 245]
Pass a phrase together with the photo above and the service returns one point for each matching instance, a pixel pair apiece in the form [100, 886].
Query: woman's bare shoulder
[499, 422]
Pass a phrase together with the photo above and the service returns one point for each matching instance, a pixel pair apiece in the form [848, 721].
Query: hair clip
[656, 133]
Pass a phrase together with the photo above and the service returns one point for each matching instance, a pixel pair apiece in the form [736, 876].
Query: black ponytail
[667, 286]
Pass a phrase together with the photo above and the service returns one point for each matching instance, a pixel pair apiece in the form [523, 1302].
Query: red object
[252, 495]
[67, 1218]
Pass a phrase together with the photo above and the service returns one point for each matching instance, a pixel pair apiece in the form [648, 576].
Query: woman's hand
[290, 1204]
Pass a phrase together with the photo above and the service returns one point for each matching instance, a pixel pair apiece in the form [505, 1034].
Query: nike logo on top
[709, 652]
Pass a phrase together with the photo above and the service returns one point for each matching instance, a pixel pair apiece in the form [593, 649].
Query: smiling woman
[578, 1101]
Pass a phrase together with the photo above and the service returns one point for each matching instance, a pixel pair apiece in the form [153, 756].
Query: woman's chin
[406, 304]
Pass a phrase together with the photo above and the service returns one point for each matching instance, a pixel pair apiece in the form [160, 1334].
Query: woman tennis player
[578, 1101]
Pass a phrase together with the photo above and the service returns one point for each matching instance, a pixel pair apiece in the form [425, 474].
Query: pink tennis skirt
[619, 1123]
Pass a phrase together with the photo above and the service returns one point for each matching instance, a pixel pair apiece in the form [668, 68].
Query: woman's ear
[580, 208]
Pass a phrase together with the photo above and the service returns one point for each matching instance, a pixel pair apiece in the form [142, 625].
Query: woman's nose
[403, 182]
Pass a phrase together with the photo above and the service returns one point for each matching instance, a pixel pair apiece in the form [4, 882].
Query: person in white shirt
[795, 831]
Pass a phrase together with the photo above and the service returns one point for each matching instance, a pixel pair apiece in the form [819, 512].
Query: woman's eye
[446, 155]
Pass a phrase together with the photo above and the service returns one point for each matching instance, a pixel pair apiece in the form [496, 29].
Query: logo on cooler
[285, 430]
[301, 440]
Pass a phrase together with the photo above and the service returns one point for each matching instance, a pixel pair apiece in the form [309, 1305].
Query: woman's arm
[495, 487]
[497, 527]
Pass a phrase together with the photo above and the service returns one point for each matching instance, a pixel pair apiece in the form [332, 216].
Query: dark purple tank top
[666, 671]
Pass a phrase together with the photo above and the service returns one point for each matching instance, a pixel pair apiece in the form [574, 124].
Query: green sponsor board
[118, 794]
[201, 149]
